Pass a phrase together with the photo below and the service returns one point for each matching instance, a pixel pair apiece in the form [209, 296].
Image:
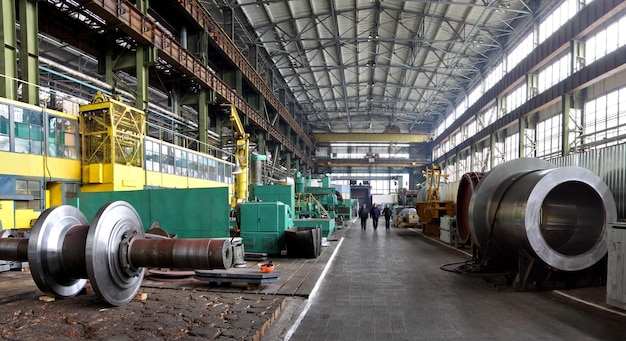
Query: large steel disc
[44, 251]
[114, 223]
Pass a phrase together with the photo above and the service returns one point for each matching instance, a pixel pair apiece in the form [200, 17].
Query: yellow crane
[242, 145]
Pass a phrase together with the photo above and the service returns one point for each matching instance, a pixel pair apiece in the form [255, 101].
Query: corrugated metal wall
[609, 164]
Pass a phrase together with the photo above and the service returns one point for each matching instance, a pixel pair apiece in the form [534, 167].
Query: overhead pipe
[558, 215]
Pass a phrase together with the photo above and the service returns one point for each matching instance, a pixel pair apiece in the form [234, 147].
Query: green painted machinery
[263, 225]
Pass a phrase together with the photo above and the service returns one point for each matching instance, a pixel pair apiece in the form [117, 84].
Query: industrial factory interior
[313, 170]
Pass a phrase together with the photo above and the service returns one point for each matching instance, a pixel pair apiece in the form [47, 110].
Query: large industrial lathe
[63, 251]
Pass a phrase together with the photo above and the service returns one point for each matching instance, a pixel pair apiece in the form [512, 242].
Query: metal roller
[63, 251]
[557, 214]
[467, 185]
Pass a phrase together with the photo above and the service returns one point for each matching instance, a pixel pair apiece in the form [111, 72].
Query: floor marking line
[313, 293]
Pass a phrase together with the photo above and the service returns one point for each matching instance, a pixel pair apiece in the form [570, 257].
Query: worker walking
[363, 216]
[375, 213]
[387, 214]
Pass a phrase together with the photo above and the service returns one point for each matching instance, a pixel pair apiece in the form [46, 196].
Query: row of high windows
[40, 132]
[602, 124]
[170, 159]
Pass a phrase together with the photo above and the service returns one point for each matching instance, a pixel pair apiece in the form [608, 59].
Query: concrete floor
[387, 285]
[375, 285]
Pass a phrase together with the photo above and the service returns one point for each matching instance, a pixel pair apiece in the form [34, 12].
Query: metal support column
[577, 49]
[29, 50]
[532, 85]
[501, 108]
[143, 59]
[572, 118]
[203, 118]
[8, 57]
[523, 124]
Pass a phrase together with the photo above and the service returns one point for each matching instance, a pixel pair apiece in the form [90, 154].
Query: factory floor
[367, 285]
[388, 285]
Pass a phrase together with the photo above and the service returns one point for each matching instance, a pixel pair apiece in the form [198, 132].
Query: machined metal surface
[45, 248]
[467, 186]
[487, 195]
[110, 274]
[181, 253]
[63, 251]
[558, 214]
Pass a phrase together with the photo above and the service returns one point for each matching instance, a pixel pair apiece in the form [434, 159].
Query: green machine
[263, 226]
[186, 213]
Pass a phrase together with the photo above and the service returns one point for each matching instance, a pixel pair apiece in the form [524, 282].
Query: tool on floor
[64, 251]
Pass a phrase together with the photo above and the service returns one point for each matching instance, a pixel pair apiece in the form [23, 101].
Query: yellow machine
[241, 156]
[431, 209]
[112, 145]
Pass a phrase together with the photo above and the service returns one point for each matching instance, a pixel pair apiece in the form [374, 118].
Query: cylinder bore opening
[572, 218]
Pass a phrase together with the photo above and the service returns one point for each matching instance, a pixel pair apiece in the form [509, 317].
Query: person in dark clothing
[375, 214]
[363, 216]
[387, 214]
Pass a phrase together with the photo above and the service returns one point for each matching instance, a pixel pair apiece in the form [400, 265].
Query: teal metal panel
[187, 213]
[90, 202]
[192, 213]
[271, 193]
[263, 242]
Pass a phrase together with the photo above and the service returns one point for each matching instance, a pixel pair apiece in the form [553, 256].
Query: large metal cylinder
[467, 185]
[556, 214]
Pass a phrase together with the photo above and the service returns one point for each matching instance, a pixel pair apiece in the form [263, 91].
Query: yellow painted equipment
[112, 145]
[431, 209]
[242, 147]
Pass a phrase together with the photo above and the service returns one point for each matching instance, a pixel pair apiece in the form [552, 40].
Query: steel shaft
[180, 253]
[63, 251]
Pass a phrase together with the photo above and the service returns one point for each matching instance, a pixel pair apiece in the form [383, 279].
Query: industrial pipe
[467, 186]
[557, 214]
[63, 251]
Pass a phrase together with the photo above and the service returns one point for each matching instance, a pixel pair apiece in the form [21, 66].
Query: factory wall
[609, 164]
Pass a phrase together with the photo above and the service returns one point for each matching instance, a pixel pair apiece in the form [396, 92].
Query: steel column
[29, 50]
[143, 82]
[8, 57]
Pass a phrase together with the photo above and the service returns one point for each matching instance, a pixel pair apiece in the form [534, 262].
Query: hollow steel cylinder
[467, 185]
[557, 214]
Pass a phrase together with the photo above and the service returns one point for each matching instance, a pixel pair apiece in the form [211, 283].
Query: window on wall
[167, 159]
[5, 143]
[549, 137]
[529, 144]
[521, 50]
[605, 41]
[62, 137]
[605, 122]
[516, 98]
[181, 162]
[28, 187]
[511, 147]
[557, 18]
[28, 131]
[152, 155]
[71, 190]
[554, 73]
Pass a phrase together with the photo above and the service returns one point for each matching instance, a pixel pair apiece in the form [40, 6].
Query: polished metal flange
[107, 267]
[46, 247]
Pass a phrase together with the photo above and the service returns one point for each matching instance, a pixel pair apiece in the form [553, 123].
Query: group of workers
[374, 213]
